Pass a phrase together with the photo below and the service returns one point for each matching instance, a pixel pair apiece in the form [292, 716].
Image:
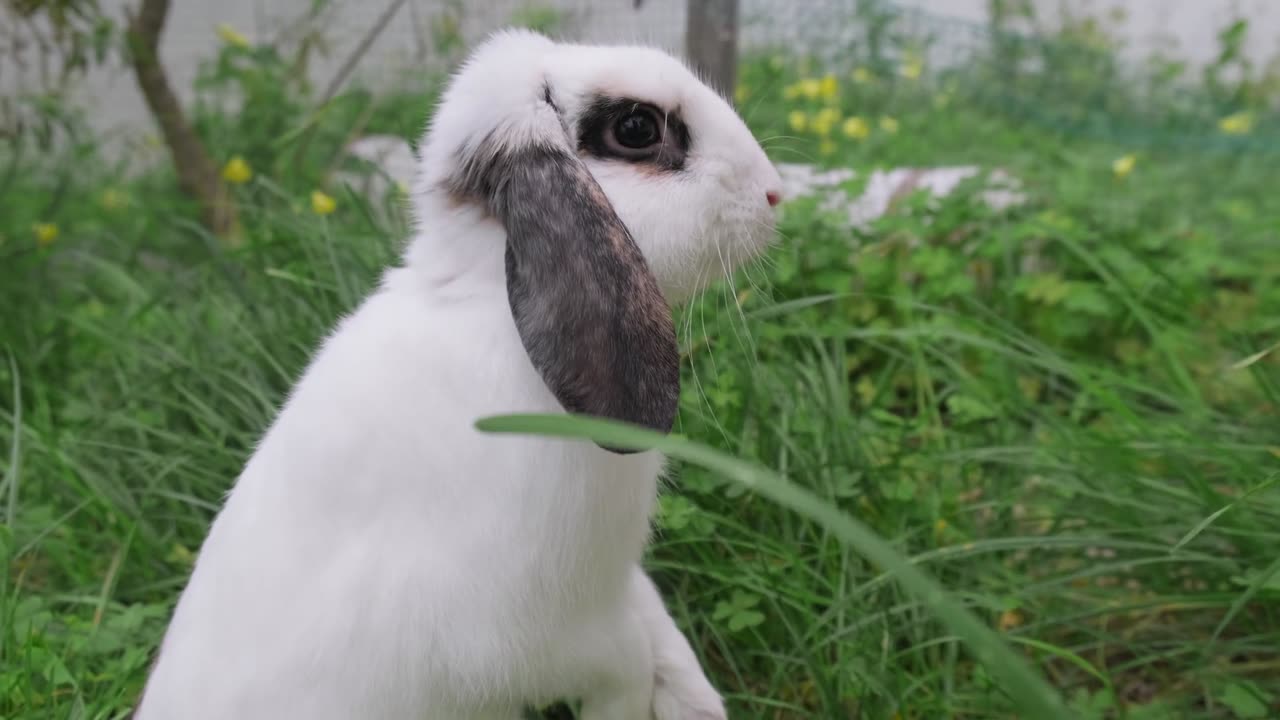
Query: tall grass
[1064, 413]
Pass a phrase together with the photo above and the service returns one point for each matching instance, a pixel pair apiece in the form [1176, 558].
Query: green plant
[540, 18]
[446, 30]
[1063, 411]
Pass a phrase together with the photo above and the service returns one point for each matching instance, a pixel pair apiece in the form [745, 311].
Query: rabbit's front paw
[679, 699]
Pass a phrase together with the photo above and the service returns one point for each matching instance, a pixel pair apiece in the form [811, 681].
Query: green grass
[1066, 414]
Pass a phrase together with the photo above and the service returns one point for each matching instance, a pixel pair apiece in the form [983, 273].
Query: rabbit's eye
[634, 131]
[637, 130]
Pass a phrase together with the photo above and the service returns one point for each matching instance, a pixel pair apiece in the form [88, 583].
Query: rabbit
[379, 557]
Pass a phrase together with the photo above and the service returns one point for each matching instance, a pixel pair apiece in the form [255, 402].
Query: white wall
[1188, 26]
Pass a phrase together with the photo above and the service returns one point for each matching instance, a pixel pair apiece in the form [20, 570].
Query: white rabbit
[379, 558]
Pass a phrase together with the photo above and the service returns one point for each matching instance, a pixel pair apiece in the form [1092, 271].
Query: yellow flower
[811, 88]
[231, 36]
[888, 124]
[113, 199]
[1240, 123]
[940, 526]
[1123, 165]
[1009, 619]
[912, 67]
[862, 76]
[46, 233]
[856, 128]
[866, 390]
[798, 120]
[826, 147]
[322, 204]
[741, 93]
[824, 120]
[828, 87]
[237, 171]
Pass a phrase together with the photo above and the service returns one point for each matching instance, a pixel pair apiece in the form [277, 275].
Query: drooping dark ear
[588, 309]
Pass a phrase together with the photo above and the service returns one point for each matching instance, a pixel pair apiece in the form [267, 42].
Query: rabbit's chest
[581, 516]
[516, 514]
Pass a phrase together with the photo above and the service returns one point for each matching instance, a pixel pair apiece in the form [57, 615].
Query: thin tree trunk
[197, 174]
[711, 42]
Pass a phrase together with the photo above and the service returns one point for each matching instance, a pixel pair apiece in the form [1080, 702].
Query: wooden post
[711, 42]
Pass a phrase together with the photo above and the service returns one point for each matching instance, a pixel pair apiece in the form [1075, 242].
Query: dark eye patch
[634, 131]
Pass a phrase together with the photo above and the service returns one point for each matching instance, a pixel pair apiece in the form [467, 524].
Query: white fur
[379, 558]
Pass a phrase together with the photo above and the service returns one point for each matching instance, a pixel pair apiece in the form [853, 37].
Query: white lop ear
[588, 309]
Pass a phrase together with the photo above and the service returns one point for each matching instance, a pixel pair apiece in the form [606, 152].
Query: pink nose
[774, 197]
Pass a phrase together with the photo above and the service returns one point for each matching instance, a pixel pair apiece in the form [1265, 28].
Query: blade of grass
[1200, 526]
[1066, 655]
[15, 448]
[1259, 582]
[1023, 684]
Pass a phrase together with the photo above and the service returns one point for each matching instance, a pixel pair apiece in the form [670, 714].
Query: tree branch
[197, 175]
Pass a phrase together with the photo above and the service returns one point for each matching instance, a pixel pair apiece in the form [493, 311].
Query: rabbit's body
[383, 600]
[379, 558]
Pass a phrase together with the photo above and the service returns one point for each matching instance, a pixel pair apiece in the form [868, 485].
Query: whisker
[688, 317]
[704, 401]
[773, 228]
[762, 95]
[715, 372]
[755, 289]
[666, 115]
[732, 291]
[803, 155]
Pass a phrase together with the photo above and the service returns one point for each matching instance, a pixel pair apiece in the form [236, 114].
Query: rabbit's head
[613, 180]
